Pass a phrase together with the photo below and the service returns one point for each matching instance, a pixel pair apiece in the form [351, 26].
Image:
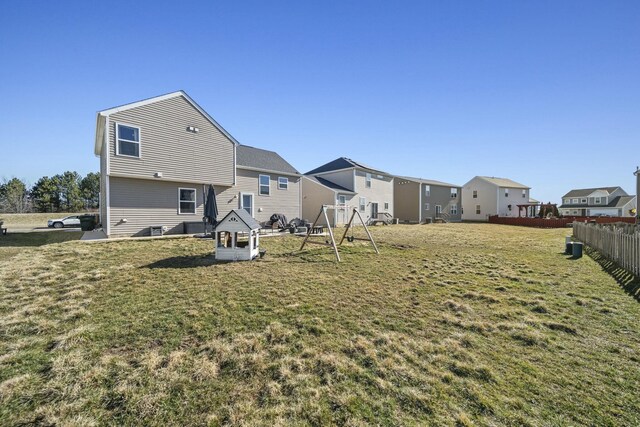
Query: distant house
[602, 201]
[424, 200]
[158, 156]
[484, 196]
[347, 184]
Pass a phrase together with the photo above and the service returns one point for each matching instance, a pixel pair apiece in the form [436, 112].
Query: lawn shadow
[186, 261]
[40, 238]
[626, 280]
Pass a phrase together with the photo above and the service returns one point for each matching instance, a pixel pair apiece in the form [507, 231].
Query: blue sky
[544, 92]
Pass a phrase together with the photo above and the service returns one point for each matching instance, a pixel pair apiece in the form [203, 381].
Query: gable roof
[101, 117]
[584, 192]
[244, 216]
[257, 158]
[428, 181]
[329, 184]
[343, 163]
[503, 182]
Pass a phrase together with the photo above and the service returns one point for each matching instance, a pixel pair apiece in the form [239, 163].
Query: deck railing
[620, 244]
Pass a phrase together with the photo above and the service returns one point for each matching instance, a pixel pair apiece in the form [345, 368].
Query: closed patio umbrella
[211, 207]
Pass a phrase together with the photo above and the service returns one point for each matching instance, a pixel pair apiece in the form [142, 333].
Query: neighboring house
[347, 184]
[265, 184]
[157, 157]
[603, 201]
[485, 196]
[424, 200]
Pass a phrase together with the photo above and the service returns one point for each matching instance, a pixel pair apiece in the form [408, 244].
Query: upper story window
[597, 200]
[454, 192]
[506, 192]
[186, 200]
[367, 180]
[264, 187]
[574, 201]
[583, 201]
[427, 207]
[453, 209]
[386, 206]
[524, 194]
[342, 200]
[283, 183]
[127, 140]
[475, 194]
[362, 204]
[427, 190]
[567, 201]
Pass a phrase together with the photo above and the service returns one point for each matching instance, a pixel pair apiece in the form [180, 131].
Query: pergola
[527, 211]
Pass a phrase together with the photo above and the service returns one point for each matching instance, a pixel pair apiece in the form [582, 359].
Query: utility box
[156, 230]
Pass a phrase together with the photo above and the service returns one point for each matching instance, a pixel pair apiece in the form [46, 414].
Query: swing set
[332, 242]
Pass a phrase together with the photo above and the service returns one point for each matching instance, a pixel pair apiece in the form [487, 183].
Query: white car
[69, 221]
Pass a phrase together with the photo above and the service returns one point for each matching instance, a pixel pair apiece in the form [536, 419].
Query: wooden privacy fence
[555, 222]
[620, 244]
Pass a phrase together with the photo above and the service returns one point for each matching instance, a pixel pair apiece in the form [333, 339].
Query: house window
[478, 210]
[524, 194]
[283, 183]
[574, 201]
[597, 200]
[567, 201]
[386, 206]
[506, 192]
[454, 192]
[427, 190]
[453, 209]
[475, 194]
[342, 200]
[186, 200]
[583, 201]
[427, 207]
[128, 138]
[362, 204]
[264, 185]
[367, 180]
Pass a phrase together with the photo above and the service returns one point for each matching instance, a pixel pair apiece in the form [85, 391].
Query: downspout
[419, 203]
[105, 146]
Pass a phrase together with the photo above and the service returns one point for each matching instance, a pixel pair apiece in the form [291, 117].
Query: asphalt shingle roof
[616, 202]
[329, 184]
[429, 181]
[343, 163]
[258, 158]
[244, 217]
[503, 182]
[584, 192]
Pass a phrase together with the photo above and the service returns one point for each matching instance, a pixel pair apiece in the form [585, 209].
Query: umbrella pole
[204, 204]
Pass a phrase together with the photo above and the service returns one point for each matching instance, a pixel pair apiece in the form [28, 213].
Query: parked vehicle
[69, 221]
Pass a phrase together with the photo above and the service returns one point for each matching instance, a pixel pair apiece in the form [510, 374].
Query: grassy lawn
[30, 220]
[454, 324]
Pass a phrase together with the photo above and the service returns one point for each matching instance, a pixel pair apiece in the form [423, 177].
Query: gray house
[603, 201]
[158, 156]
[348, 184]
[420, 200]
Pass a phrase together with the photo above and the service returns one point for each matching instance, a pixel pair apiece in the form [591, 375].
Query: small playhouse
[237, 237]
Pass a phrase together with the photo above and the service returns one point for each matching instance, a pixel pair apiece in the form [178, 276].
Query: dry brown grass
[452, 324]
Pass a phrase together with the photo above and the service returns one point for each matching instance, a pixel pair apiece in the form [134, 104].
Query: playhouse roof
[243, 216]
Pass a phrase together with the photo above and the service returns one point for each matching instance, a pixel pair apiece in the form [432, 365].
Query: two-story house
[159, 155]
[603, 201]
[484, 196]
[425, 200]
[347, 184]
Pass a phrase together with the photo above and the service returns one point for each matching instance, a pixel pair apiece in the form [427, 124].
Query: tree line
[66, 192]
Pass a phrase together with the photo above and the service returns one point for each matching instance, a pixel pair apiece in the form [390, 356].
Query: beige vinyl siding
[286, 202]
[343, 178]
[487, 199]
[381, 192]
[103, 190]
[315, 195]
[407, 200]
[167, 147]
[145, 202]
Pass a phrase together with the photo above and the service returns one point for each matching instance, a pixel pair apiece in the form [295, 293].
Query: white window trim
[583, 200]
[454, 193]
[139, 142]
[474, 194]
[524, 194]
[367, 180]
[338, 200]
[427, 191]
[453, 209]
[574, 201]
[260, 185]
[362, 204]
[427, 207]
[195, 202]
[478, 210]
[386, 206]
[597, 200]
[240, 205]
[286, 181]
[506, 192]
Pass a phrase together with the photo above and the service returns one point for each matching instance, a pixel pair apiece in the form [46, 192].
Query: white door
[246, 202]
[438, 211]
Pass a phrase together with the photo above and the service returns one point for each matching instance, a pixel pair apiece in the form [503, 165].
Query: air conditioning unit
[156, 230]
